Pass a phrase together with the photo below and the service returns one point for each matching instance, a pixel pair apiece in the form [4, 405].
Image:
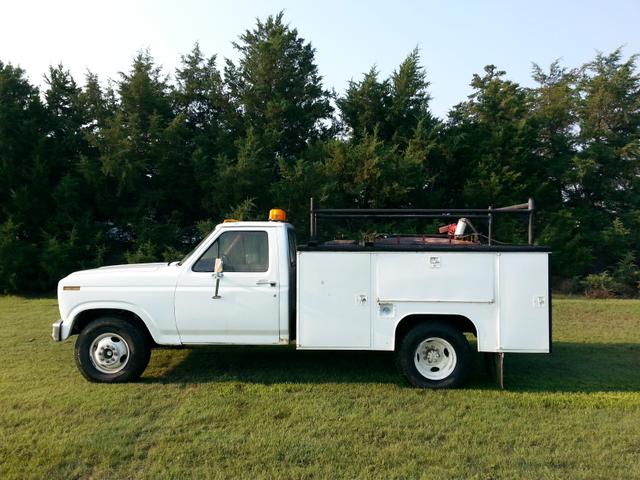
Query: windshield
[188, 255]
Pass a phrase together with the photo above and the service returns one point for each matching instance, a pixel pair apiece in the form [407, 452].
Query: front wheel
[434, 355]
[111, 350]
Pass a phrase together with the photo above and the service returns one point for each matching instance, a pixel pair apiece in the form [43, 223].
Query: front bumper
[56, 331]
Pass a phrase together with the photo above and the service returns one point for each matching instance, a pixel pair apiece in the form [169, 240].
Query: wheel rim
[435, 358]
[109, 353]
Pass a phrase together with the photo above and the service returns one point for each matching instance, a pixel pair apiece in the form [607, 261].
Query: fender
[463, 322]
[67, 324]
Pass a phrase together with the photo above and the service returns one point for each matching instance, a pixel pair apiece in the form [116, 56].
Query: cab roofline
[261, 224]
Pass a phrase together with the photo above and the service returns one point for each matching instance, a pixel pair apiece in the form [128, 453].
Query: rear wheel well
[459, 322]
[84, 318]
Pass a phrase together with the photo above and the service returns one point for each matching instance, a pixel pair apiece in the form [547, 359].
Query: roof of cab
[234, 224]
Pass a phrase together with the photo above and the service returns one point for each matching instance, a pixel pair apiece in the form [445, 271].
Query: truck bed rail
[412, 213]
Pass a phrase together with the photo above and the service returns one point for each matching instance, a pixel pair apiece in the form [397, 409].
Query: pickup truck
[248, 283]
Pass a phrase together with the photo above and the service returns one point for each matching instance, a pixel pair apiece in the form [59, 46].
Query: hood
[139, 267]
[133, 275]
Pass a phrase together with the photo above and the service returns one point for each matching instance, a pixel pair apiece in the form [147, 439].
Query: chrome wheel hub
[432, 356]
[109, 353]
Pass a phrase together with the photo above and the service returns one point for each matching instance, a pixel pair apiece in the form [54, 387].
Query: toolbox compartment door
[435, 277]
[334, 297]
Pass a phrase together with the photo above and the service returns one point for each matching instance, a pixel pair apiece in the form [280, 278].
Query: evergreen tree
[277, 92]
[554, 112]
[71, 236]
[23, 195]
[135, 154]
[388, 159]
[393, 107]
[492, 141]
[203, 108]
[604, 184]
[365, 107]
[409, 107]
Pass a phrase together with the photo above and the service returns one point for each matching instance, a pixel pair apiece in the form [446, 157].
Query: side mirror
[218, 267]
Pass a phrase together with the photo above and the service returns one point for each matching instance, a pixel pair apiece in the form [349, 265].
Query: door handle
[266, 282]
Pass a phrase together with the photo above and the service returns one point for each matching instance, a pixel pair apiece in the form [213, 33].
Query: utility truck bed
[366, 293]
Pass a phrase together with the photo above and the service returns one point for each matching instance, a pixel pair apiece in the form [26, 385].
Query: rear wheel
[112, 350]
[434, 355]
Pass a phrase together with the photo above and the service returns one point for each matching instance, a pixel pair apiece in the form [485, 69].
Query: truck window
[291, 235]
[240, 252]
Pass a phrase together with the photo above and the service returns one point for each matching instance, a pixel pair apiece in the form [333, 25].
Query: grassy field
[277, 413]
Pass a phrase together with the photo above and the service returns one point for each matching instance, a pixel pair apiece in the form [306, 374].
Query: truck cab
[255, 288]
[176, 301]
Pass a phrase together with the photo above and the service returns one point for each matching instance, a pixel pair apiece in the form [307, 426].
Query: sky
[456, 38]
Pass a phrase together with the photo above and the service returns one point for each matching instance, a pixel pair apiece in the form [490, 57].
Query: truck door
[247, 310]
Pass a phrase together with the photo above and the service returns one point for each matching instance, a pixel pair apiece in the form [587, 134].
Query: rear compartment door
[334, 290]
[525, 309]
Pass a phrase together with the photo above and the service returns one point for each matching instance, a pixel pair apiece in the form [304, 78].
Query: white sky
[456, 38]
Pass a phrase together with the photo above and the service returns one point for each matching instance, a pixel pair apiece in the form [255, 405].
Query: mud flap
[494, 363]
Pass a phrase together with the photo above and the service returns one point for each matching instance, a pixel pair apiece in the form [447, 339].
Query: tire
[449, 364]
[112, 350]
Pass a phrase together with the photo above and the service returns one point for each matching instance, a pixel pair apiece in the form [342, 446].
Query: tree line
[139, 168]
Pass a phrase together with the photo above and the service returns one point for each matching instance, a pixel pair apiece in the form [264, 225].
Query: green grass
[277, 413]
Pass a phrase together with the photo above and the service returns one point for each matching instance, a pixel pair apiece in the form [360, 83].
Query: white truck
[247, 283]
